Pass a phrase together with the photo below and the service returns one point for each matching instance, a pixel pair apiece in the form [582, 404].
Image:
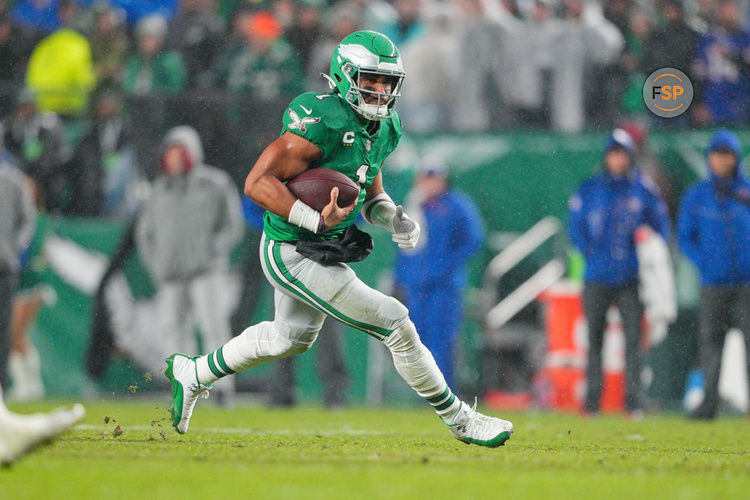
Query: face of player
[617, 162]
[175, 160]
[722, 163]
[369, 83]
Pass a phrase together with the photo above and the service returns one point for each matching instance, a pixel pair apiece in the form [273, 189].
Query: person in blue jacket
[714, 233]
[431, 277]
[604, 215]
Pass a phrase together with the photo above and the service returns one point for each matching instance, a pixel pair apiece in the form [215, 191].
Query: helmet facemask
[370, 103]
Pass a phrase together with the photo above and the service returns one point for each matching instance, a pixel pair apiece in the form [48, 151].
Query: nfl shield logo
[368, 145]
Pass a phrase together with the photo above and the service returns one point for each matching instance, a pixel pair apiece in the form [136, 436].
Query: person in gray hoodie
[17, 216]
[184, 234]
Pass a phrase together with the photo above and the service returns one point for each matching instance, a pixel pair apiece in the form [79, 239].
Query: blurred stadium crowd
[89, 84]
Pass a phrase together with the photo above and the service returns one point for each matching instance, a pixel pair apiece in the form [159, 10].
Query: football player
[351, 129]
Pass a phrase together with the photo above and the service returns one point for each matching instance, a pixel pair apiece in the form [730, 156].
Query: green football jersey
[330, 123]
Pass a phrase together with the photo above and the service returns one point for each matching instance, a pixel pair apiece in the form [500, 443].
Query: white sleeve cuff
[379, 211]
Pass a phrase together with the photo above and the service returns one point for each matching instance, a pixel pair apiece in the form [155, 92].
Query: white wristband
[379, 211]
[304, 216]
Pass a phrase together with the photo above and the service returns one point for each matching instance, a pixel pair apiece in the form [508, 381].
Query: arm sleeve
[687, 228]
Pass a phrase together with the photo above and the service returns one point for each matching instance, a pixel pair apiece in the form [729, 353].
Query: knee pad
[281, 347]
[298, 337]
[393, 313]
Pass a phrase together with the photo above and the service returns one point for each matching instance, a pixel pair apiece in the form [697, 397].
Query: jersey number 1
[362, 174]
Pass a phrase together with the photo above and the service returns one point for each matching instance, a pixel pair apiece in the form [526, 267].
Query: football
[314, 186]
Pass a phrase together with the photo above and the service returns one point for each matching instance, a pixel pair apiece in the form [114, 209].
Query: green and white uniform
[330, 123]
[306, 291]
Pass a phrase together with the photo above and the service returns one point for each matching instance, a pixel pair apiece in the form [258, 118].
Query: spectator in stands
[674, 44]
[714, 233]
[374, 15]
[15, 47]
[583, 39]
[432, 277]
[306, 30]
[38, 15]
[284, 12]
[617, 12]
[138, 10]
[265, 66]
[153, 69]
[409, 26]
[428, 95]
[196, 33]
[722, 69]
[109, 45]
[529, 94]
[103, 174]
[340, 23]
[232, 45]
[623, 79]
[37, 140]
[60, 71]
[486, 39]
[16, 229]
[604, 216]
[184, 234]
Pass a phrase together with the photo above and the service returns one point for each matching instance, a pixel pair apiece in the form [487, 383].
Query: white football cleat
[182, 373]
[472, 427]
[20, 434]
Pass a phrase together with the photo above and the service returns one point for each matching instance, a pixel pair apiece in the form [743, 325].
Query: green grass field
[250, 452]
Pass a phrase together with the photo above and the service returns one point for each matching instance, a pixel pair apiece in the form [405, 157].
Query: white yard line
[235, 430]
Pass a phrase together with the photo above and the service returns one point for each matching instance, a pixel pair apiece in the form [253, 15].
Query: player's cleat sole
[182, 375]
[19, 434]
[472, 427]
[496, 442]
